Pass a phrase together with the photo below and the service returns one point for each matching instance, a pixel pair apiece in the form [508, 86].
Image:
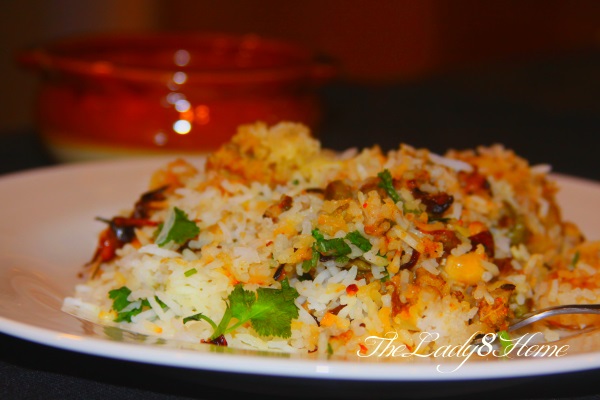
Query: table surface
[546, 111]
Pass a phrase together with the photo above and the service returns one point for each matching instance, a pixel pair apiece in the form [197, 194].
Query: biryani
[274, 243]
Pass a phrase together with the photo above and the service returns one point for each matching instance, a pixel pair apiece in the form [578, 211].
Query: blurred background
[430, 73]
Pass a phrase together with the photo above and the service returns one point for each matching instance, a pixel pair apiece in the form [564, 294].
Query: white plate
[48, 231]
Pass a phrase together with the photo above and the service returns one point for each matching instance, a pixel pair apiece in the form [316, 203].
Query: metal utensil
[552, 311]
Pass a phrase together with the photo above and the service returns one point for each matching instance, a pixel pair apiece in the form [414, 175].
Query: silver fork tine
[552, 311]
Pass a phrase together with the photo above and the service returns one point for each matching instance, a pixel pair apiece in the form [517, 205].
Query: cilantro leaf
[270, 311]
[275, 310]
[329, 349]
[342, 259]
[334, 247]
[146, 303]
[305, 277]
[505, 342]
[240, 301]
[386, 276]
[126, 315]
[177, 228]
[317, 235]
[312, 262]
[359, 241]
[119, 297]
[120, 302]
[330, 247]
[574, 261]
[387, 183]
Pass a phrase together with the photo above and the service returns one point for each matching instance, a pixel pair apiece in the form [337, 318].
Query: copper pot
[111, 95]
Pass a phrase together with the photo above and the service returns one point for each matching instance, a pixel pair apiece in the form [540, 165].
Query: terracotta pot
[114, 95]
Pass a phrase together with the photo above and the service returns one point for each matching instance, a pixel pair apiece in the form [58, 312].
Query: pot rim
[64, 56]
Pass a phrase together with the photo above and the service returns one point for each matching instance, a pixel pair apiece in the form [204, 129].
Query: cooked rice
[498, 248]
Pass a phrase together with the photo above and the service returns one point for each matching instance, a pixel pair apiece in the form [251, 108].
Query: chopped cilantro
[359, 241]
[119, 298]
[387, 183]
[158, 230]
[127, 315]
[385, 273]
[336, 247]
[177, 228]
[295, 181]
[381, 255]
[159, 301]
[386, 276]
[190, 272]
[317, 235]
[342, 260]
[312, 262]
[269, 311]
[574, 261]
[331, 247]
[305, 277]
[439, 219]
[329, 349]
[505, 342]
[120, 302]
